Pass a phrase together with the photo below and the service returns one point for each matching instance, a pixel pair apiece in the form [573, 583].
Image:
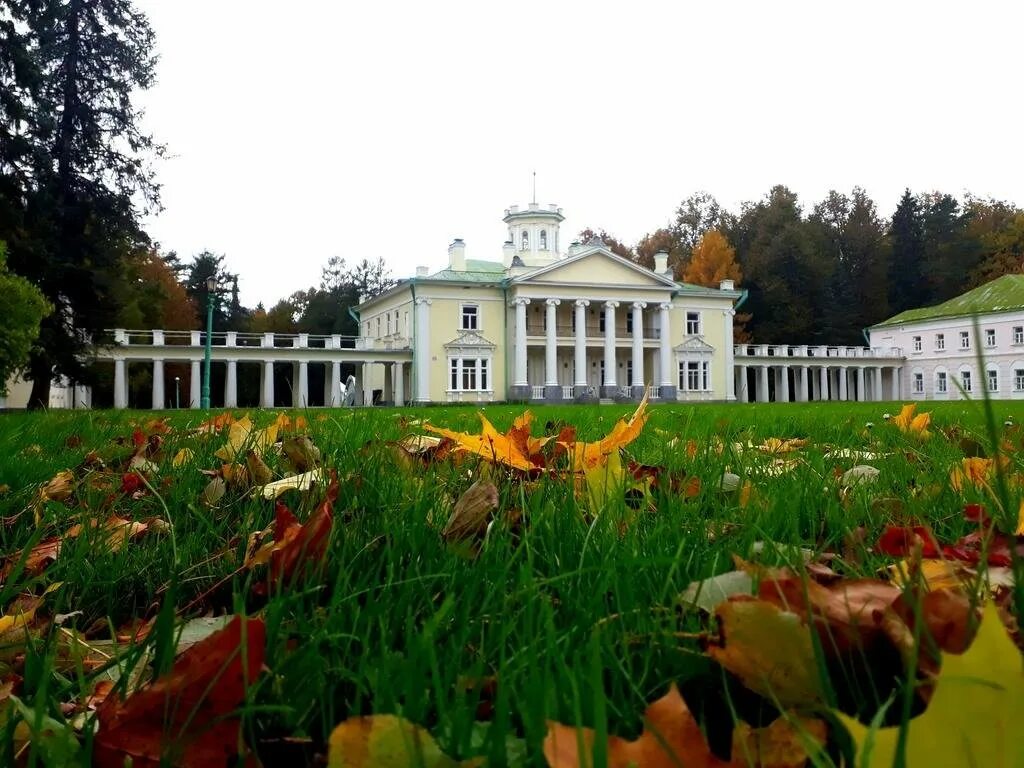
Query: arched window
[525, 241]
[543, 239]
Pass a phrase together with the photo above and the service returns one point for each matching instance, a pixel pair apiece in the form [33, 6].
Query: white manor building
[942, 344]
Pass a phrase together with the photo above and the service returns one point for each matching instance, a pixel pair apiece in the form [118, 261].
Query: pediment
[470, 340]
[596, 265]
[695, 345]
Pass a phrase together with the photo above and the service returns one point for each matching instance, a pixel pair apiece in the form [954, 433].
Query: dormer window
[525, 240]
[543, 239]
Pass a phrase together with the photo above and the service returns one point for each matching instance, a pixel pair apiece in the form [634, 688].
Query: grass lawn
[563, 614]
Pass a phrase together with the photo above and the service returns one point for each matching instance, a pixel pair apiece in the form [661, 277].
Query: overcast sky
[306, 129]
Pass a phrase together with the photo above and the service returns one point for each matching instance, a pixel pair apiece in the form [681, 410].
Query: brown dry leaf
[301, 453]
[472, 512]
[115, 531]
[213, 492]
[259, 472]
[672, 738]
[243, 435]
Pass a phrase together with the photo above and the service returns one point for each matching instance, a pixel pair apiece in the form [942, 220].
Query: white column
[520, 372]
[876, 384]
[194, 386]
[158, 385]
[398, 383]
[782, 391]
[730, 359]
[335, 376]
[120, 384]
[762, 384]
[823, 383]
[739, 385]
[843, 382]
[231, 385]
[551, 345]
[300, 395]
[802, 393]
[580, 378]
[609, 344]
[367, 384]
[638, 348]
[860, 383]
[421, 353]
[896, 383]
[267, 385]
[665, 349]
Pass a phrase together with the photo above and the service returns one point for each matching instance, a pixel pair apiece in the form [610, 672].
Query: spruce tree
[907, 285]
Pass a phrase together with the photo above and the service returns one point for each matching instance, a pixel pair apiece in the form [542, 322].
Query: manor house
[551, 324]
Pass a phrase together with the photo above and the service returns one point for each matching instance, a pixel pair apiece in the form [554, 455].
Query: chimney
[573, 247]
[661, 262]
[457, 255]
[507, 252]
[422, 271]
[727, 285]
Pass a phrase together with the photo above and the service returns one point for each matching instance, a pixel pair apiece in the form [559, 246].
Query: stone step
[606, 401]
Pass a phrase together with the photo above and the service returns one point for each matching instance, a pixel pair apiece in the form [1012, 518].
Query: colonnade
[815, 381]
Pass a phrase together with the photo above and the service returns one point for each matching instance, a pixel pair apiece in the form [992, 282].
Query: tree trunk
[40, 370]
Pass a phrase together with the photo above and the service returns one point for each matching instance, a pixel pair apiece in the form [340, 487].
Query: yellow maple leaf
[490, 444]
[913, 423]
[586, 456]
[973, 716]
[387, 741]
[974, 470]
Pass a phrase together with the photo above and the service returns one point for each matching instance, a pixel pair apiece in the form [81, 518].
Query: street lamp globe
[211, 283]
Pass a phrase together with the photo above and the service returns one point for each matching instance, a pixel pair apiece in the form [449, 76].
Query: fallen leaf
[302, 482]
[301, 453]
[973, 715]
[672, 738]
[909, 423]
[590, 455]
[188, 716]
[386, 741]
[242, 436]
[472, 512]
[182, 457]
[489, 444]
[213, 492]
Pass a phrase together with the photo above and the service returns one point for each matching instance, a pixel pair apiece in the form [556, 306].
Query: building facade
[942, 344]
[551, 326]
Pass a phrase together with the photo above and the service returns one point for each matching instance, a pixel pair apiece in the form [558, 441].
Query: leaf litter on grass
[788, 635]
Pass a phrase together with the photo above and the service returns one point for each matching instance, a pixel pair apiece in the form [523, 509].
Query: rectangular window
[917, 343]
[940, 382]
[940, 341]
[469, 374]
[629, 373]
[389, 323]
[1018, 334]
[1018, 379]
[990, 337]
[629, 322]
[993, 379]
[965, 380]
[695, 376]
[693, 323]
[470, 317]
[600, 323]
[965, 339]
[378, 326]
[918, 383]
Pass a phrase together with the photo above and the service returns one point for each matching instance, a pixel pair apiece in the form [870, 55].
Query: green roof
[476, 271]
[1004, 294]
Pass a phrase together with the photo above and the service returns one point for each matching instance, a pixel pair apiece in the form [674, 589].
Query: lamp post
[177, 391]
[211, 286]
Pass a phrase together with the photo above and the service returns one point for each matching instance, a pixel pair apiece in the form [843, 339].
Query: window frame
[942, 382]
[967, 380]
[699, 373]
[990, 379]
[463, 306]
[940, 342]
[478, 374]
[917, 379]
[1018, 334]
[1018, 379]
[965, 340]
[696, 321]
[916, 343]
[990, 338]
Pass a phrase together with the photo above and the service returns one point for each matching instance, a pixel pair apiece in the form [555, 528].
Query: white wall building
[942, 344]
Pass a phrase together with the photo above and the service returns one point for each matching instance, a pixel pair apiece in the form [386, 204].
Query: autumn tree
[155, 297]
[75, 164]
[713, 260]
[664, 239]
[697, 214]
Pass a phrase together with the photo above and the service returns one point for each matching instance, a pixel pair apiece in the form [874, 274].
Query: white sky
[307, 129]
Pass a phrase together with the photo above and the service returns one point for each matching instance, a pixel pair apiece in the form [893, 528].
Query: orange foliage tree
[714, 260]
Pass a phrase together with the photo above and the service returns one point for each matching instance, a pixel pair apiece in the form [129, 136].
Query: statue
[348, 397]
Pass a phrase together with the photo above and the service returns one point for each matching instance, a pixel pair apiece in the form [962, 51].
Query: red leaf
[138, 438]
[899, 541]
[186, 716]
[131, 482]
[297, 547]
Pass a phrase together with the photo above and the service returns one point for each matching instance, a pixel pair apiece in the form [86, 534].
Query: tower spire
[534, 187]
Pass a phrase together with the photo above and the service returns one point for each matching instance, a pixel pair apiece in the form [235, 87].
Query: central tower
[533, 234]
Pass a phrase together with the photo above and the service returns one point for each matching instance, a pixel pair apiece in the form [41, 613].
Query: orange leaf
[590, 455]
[491, 444]
[672, 738]
[186, 716]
